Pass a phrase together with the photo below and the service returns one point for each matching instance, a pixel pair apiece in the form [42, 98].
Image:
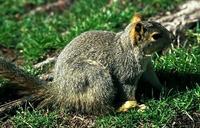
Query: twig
[42, 64]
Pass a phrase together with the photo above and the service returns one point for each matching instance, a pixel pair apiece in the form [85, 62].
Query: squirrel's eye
[138, 27]
[156, 36]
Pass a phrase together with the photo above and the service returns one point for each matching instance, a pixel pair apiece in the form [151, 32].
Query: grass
[35, 35]
[38, 35]
[34, 119]
[183, 60]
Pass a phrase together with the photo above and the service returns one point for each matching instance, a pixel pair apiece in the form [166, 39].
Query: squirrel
[98, 69]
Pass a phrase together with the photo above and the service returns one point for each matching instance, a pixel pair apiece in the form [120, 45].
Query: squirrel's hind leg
[100, 87]
[89, 88]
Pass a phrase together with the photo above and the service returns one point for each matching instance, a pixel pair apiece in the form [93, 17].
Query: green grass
[183, 59]
[34, 119]
[43, 33]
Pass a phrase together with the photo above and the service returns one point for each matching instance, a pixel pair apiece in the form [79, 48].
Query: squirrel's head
[149, 36]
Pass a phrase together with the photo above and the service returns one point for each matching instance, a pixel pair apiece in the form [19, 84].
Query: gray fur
[97, 68]
[101, 62]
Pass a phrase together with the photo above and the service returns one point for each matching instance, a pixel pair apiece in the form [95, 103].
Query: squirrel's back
[91, 45]
[88, 44]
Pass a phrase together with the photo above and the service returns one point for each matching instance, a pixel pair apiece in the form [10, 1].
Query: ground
[33, 30]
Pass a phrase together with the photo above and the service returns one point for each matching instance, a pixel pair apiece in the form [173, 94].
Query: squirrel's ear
[135, 33]
[136, 18]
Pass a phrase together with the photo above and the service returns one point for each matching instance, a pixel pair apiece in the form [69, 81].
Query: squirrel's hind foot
[127, 105]
[131, 104]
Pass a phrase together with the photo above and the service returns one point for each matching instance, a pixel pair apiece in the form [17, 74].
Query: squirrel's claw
[142, 107]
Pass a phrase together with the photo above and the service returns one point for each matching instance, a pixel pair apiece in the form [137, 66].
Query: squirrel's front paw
[127, 105]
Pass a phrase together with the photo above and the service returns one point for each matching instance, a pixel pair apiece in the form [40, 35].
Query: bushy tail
[18, 76]
[27, 87]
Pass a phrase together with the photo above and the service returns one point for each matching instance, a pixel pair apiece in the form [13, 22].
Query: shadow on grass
[174, 81]
[11, 94]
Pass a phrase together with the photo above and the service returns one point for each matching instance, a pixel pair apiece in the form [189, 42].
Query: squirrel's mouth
[155, 48]
[151, 52]
[148, 51]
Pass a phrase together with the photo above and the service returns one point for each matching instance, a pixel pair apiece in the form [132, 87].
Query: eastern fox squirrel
[98, 68]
